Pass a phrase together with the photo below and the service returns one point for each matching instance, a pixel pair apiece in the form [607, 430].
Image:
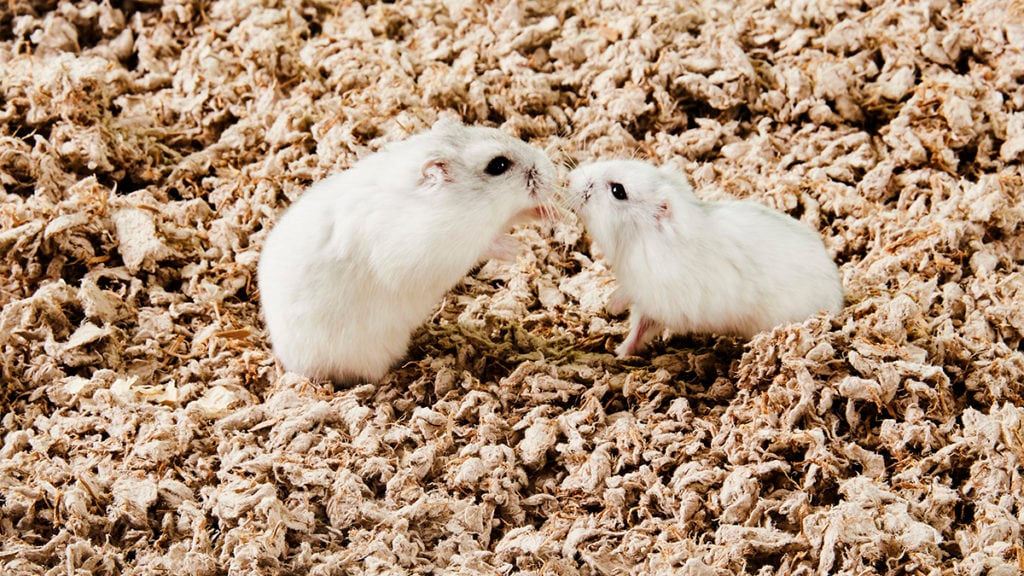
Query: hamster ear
[678, 178]
[446, 124]
[435, 172]
[668, 171]
[664, 213]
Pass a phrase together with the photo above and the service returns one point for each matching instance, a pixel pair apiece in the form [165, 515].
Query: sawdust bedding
[147, 149]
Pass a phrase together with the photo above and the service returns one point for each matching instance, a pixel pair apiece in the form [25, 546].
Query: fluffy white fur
[363, 257]
[733, 267]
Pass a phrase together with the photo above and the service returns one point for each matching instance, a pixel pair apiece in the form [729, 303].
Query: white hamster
[731, 267]
[363, 256]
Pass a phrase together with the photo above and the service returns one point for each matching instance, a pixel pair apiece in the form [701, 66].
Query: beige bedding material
[146, 150]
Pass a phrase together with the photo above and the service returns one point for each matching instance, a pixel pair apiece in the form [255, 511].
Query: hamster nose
[531, 181]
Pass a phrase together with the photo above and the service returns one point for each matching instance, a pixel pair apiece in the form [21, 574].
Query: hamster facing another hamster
[363, 256]
[732, 267]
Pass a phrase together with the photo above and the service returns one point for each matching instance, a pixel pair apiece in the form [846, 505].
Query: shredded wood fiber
[145, 151]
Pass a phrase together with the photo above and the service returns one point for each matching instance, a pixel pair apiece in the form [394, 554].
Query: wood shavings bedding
[146, 149]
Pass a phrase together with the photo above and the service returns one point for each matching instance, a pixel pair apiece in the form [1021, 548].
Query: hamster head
[623, 200]
[481, 168]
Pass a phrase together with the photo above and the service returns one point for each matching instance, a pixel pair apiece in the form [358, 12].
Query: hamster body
[731, 267]
[362, 257]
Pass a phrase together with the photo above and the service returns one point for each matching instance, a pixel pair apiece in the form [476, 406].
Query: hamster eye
[498, 166]
[618, 191]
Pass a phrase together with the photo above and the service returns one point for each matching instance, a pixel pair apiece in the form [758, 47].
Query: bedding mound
[147, 147]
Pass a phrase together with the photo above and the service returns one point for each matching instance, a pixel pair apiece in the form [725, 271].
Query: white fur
[362, 257]
[691, 266]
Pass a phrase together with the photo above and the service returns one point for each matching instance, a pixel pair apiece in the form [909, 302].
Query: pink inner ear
[435, 171]
[664, 212]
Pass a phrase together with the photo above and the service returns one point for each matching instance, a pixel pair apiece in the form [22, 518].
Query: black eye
[498, 166]
[618, 191]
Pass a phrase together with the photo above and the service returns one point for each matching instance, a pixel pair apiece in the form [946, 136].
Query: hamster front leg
[504, 248]
[618, 302]
[642, 330]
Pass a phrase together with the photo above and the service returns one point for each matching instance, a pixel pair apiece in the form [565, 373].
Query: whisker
[560, 202]
[570, 202]
[559, 155]
[555, 208]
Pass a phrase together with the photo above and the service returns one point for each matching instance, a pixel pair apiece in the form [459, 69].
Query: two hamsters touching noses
[363, 257]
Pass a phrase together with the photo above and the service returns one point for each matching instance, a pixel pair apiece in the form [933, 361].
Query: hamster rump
[314, 269]
[733, 267]
[795, 275]
[360, 260]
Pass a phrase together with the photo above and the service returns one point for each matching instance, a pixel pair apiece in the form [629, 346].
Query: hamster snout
[531, 181]
[363, 257]
[733, 267]
[587, 191]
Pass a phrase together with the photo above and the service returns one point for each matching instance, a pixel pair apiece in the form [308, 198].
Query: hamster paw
[643, 330]
[504, 248]
[618, 303]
